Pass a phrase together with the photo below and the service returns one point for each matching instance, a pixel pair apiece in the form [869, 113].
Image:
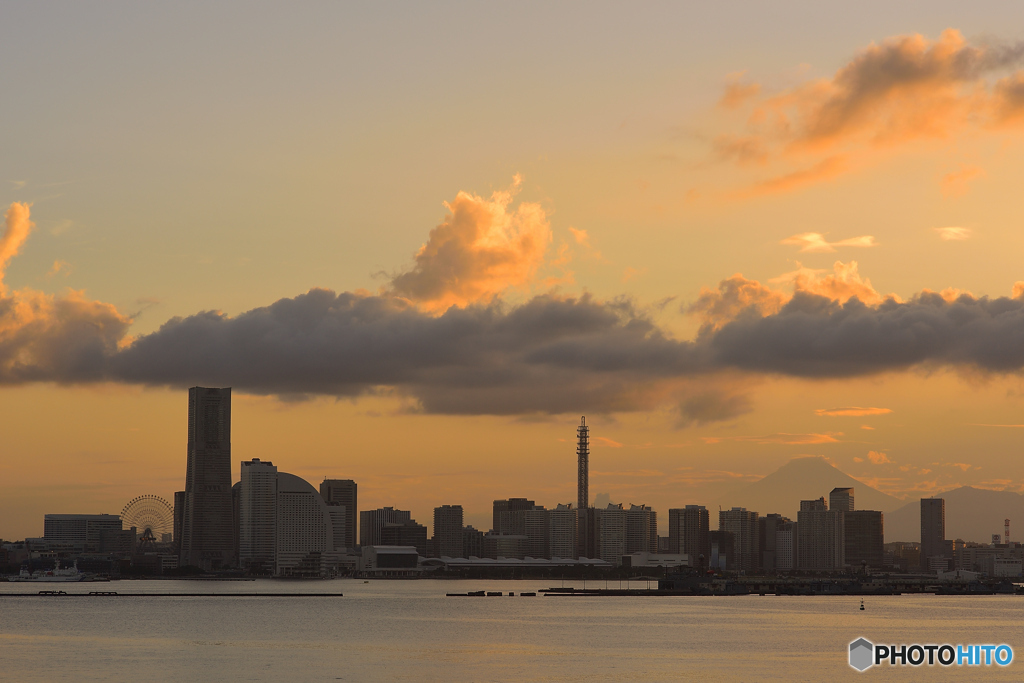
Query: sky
[420, 242]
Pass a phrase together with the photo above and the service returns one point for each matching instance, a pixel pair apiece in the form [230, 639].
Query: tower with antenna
[583, 545]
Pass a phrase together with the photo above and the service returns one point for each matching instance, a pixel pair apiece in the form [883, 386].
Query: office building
[841, 500]
[641, 530]
[257, 516]
[865, 542]
[448, 541]
[609, 528]
[768, 528]
[507, 546]
[721, 553]
[742, 524]
[787, 542]
[80, 532]
[408, 533]
[688, 530]
[933, 531]
[472, 542]
[506, 517]
[562, 531]
[344, 492]
[371, 522]
[535, 528]
[821, 543]
[207, 530]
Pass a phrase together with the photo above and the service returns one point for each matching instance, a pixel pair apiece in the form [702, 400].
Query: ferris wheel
[152, 517]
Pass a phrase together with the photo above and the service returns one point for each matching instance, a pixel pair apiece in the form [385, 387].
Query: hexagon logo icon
[861, 654]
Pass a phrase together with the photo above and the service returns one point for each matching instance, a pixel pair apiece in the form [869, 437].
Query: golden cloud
[851, 412]
[816, 242]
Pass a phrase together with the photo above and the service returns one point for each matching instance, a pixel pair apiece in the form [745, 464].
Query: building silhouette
[562, 531]
[82, 532]
[841, 500]
[585, 538]
[768, 528]
[305, 533]
[933, 531]
[641, 530]
[821, 545]
[506, 517]
[472, 542]
[742, 525]
[257, 516]
[448, 540]
[609, 528]
[371, 523]
[408, 533]
[688, 530]
[207, 532]
[865, 541]
[344, 492]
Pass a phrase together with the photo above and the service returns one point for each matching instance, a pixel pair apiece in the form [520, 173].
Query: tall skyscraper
[821, 545]
[742, 524]
[688, 530]
[507, 517]
[179, 511]
[344, 492]
[768, 528]
[641, 529]
[257, 516]
[610, 533]
[305, 530]
[584, 536]
[841, 500]
[207, 530]
[933, 530]
[865, 541]
[448, 531]
[562, 531]
[371, 523]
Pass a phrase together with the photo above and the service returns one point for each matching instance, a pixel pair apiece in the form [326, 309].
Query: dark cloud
[813, 336]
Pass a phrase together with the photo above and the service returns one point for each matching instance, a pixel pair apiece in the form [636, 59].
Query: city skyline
[657, 218]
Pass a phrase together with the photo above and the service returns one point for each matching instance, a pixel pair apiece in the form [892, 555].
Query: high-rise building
[865, 542]
[609, 527]
[742, 524]
[787, 542]
[841, 500]
[506, 519]
[688, 530]
[585, 538]
[257, 516]
[721, 555]
[207, 530]
[405, 533]
[821, 545]
[535, 528]
[82, 532]
[472, 542]
[768, 528]
[448, 541]
[562, 531]
[305, 530]
[179, 510]
[344, 492]
[933, 531]
[371, 522]
[641, 530]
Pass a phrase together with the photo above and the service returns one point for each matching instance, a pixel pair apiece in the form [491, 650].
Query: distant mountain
[971, 514]
[806, 478]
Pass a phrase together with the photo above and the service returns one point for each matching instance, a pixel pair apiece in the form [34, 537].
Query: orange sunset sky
[420, 241]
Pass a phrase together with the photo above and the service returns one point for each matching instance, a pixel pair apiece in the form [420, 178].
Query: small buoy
[862, 605]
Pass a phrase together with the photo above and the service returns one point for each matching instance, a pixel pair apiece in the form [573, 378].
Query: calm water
[409, 630]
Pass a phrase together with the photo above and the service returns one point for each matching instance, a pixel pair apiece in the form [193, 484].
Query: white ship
[51, 575]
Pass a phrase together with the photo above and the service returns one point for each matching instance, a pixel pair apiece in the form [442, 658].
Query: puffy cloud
[712, 406]
[890, 93]
[816, 242]
[43, 337]
[843, 283]
[481, 249]
[878, 458]
[851, 412]
[734, 296]
[17, 226]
